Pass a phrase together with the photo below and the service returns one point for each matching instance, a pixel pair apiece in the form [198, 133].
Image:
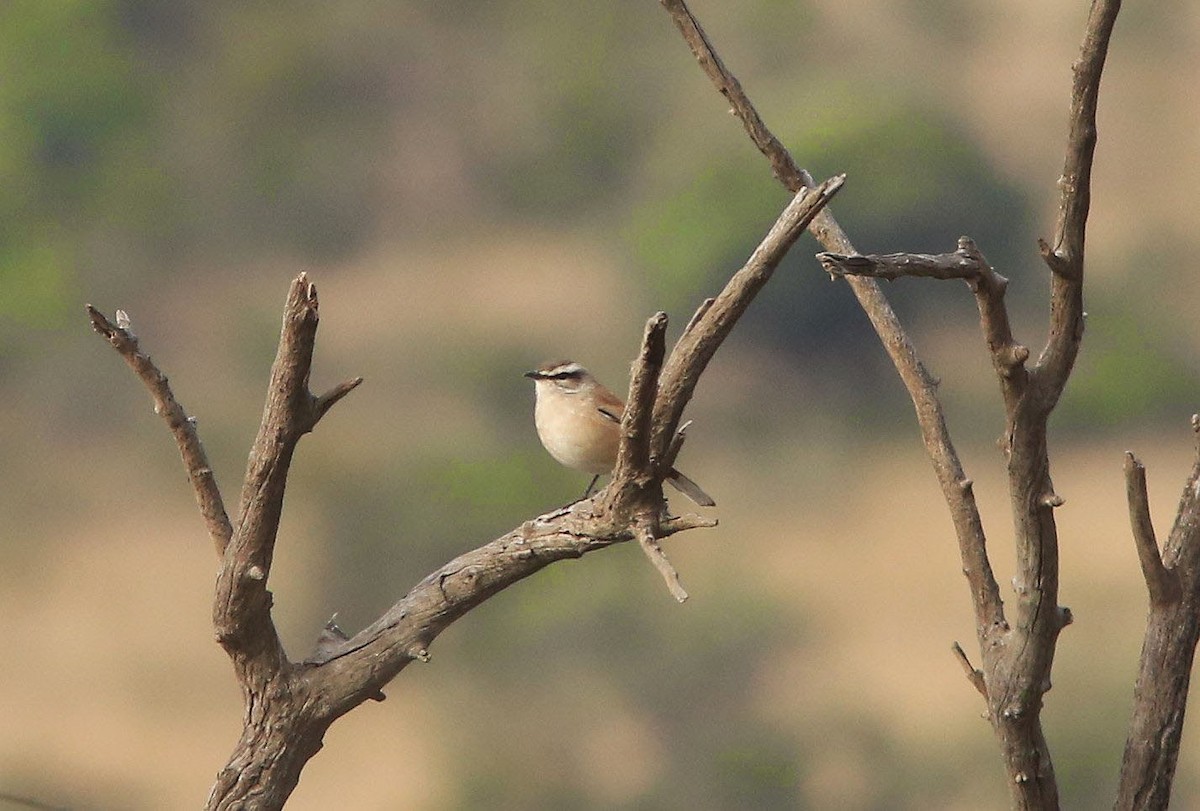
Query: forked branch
[1160, 694]
[956, 489]
[1161, 582]
[289, 705]
[1016, 659]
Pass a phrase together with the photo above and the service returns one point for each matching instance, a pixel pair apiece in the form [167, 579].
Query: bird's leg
[588, 491]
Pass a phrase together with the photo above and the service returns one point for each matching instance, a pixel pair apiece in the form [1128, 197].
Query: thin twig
[330, 398]
[183, 427]
[974, 675]
[668, 461]
[966, 263]
[696, 316]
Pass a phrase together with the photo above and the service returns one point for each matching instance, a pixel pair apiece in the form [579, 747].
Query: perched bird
[579, 423]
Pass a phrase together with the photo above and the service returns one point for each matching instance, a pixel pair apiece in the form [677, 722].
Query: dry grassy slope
[118, 698]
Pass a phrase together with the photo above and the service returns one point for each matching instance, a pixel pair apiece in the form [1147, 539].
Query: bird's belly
[579, 442]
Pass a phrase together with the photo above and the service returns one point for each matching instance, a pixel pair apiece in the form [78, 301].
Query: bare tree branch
[647, 536]
[1017, 659]
[633, 456]
[1169, 648]
[922, 388]
[973, 675]
[966, 263]
[290, 705]
[1065, 255]
[712, 323]
[1161, 582]
[183, 427]
[782, 165]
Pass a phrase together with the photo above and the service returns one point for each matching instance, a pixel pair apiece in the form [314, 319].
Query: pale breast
[576, 434]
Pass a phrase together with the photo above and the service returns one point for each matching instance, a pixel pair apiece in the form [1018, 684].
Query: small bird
[579, 423]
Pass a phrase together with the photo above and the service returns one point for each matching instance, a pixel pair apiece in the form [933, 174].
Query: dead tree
[1017, 648]
[290, 704]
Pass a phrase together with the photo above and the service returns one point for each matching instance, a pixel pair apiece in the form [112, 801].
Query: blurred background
[476, 188]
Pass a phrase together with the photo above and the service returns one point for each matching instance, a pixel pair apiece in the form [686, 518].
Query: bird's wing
[611, 414]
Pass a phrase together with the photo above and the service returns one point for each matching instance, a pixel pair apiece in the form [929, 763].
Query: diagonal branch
[347, 672]
[956, 487]
[782, 165]
[183, 427]
[920, 384]
[714, 321]
[658, 394]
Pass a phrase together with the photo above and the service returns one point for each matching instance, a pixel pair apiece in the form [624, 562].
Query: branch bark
[289, 705]
[1169, 646]
[922, 388]
[195, 461]
[1017, 659]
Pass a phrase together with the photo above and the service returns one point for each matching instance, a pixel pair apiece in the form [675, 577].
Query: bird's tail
[690, 489]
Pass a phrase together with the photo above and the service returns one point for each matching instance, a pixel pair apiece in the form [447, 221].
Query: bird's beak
[532, 375]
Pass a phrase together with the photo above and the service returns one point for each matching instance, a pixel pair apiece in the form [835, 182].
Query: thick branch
[1017, 661]
[241, 611]
[1168, 650]
[289, 706]
[350, 672]
[183, 427]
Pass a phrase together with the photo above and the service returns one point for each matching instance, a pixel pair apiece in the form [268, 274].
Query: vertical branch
[1064, 255]
[241, 612]
[633, 455]
[1160, 694]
